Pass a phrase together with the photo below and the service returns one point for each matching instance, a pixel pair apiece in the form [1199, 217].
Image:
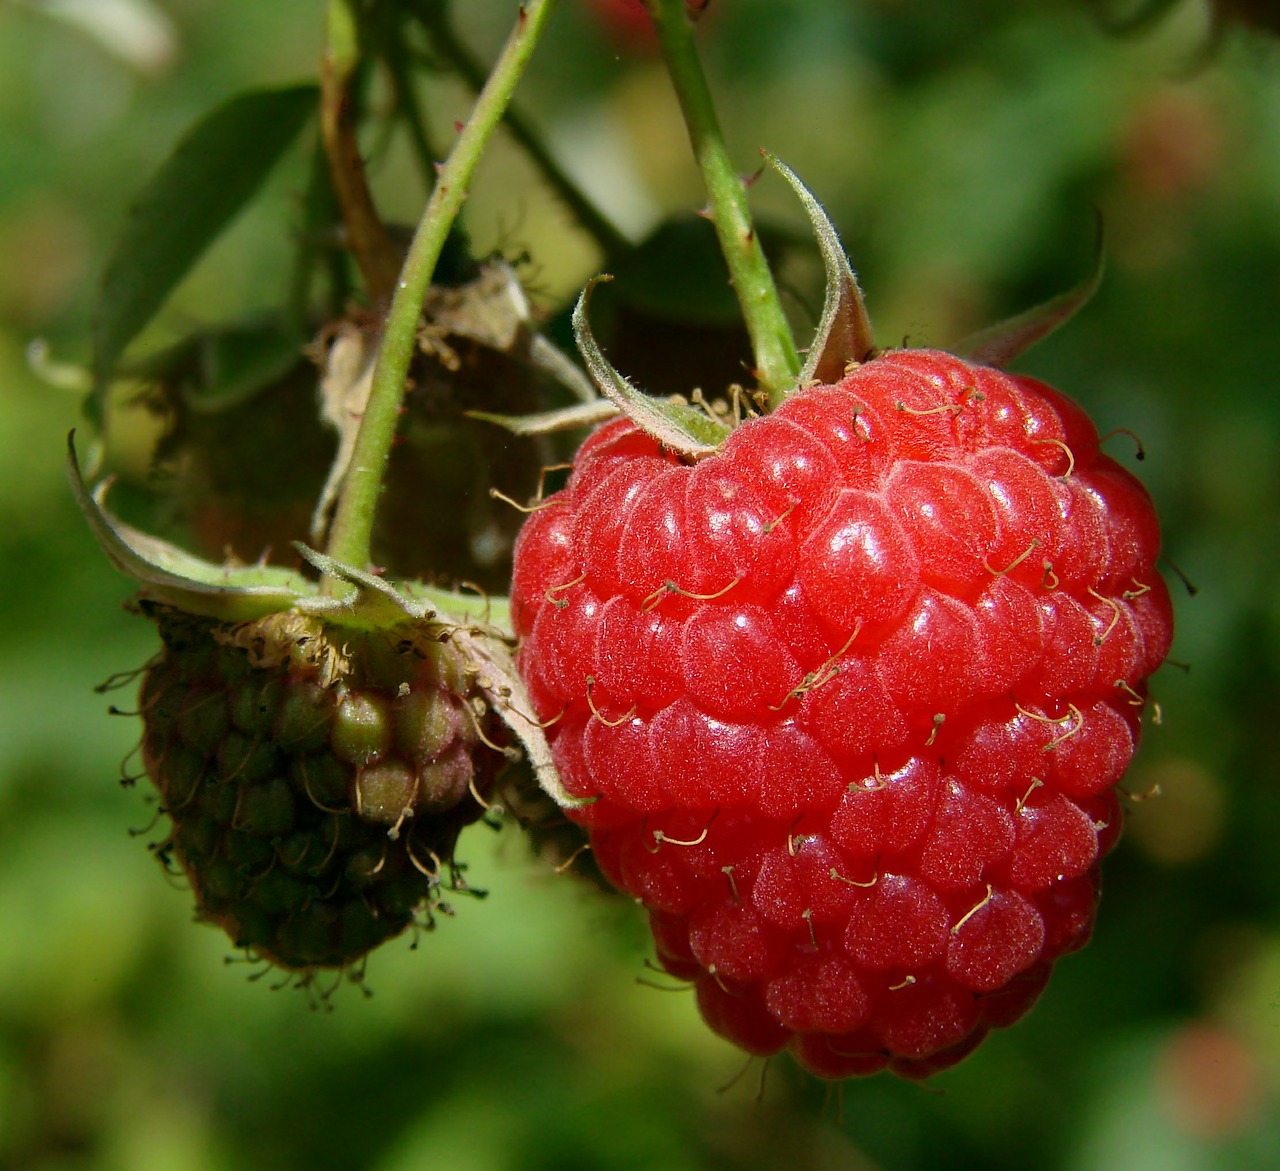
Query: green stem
[349, 540]
[610, 240]
[777, 361]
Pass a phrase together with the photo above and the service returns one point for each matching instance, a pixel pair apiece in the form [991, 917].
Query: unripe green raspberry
[317, 777]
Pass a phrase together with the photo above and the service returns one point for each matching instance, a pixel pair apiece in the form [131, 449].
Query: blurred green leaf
[233, 363]
[213, 172]
[677, 272]
[1007, 340]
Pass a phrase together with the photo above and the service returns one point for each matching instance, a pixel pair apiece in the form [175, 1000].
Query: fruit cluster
[846, 701]
[317, 778]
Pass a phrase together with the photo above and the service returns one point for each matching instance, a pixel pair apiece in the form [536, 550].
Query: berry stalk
[777, 361]
[353, 523]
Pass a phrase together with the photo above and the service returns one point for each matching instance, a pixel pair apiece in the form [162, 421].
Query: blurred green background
[962, 149]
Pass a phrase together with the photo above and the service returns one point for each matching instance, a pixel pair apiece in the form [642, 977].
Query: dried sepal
[500, 683]
[599, 410]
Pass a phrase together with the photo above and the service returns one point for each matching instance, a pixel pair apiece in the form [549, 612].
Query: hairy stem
[353, 523]
[777, 361]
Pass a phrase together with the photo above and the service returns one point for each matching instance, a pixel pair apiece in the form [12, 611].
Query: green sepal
[374, 604]
[677, 426]
[844, 330]
[1007, 340]
[477, 637]
[378, 604]
[168, 574]
[228, 364]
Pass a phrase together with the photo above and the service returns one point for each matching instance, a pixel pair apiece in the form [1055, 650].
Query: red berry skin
[849, 699]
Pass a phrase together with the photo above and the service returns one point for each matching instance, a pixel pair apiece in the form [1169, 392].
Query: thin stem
[366, 236]
[435, 16]
[777, 361]
[406, 98]
[318, 213]
[353, 523]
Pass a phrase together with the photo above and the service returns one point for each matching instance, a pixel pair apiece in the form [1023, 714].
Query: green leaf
[679, 426]
[219, 369]
[686, 245]
[236, 362]
[213, 172]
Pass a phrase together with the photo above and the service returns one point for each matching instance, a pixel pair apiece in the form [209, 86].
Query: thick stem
[367, 238]
[353, 523]
[777, 361]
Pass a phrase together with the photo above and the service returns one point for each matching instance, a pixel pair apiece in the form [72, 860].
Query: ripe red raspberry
[850, 698]
[628, 24]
